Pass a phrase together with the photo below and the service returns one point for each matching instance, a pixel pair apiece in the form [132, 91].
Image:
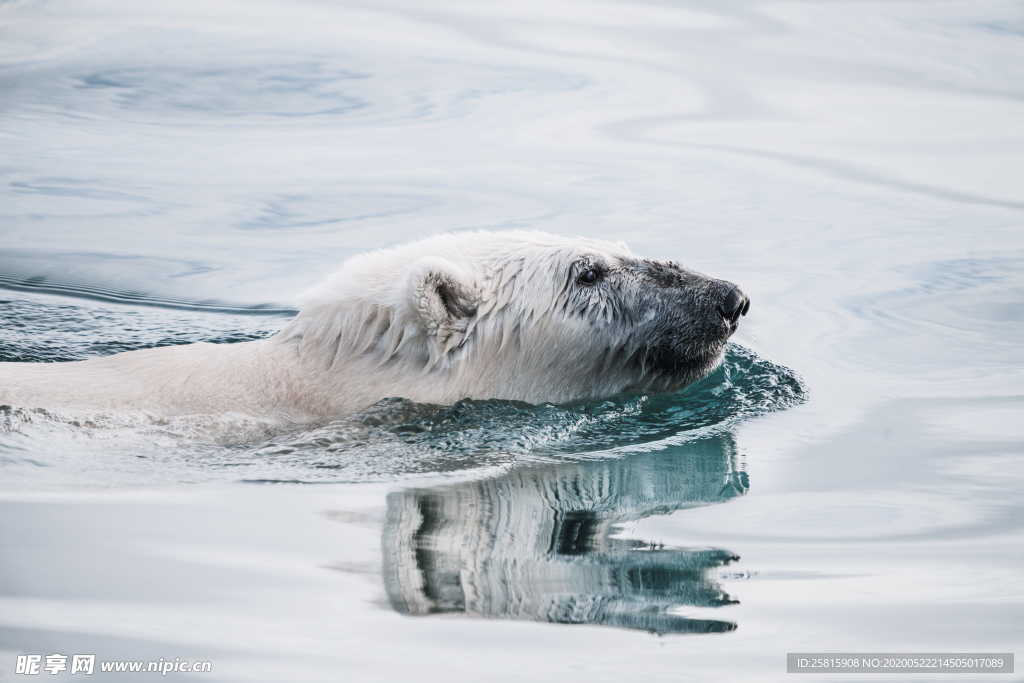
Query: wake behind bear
[523, 316]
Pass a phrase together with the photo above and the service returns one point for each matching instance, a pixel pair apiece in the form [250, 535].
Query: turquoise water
[848, 480]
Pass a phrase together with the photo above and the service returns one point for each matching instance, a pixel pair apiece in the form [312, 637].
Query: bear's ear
[444, 298]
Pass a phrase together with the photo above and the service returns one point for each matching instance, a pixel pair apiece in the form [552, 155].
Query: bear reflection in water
[538, 542]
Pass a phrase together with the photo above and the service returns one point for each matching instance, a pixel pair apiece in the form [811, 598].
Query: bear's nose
[734, 304]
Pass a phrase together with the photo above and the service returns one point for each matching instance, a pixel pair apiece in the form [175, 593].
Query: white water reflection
[537, 543]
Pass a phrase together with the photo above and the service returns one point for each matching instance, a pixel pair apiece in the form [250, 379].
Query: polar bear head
[511, 315]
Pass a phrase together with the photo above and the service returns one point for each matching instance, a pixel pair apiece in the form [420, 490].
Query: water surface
[848, 480]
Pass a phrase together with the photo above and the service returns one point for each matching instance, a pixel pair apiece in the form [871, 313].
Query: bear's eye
[588, 276]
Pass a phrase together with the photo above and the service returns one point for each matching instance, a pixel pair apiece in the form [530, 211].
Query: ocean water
[849, 480]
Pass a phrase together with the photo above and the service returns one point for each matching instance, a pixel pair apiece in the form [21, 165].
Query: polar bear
[524, 316]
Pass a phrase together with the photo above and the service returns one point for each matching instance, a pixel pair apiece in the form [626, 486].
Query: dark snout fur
[688, 317]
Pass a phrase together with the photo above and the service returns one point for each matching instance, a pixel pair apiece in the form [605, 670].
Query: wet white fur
[377, 328]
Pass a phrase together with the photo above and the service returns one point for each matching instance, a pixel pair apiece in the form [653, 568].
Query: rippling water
[848, 480]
